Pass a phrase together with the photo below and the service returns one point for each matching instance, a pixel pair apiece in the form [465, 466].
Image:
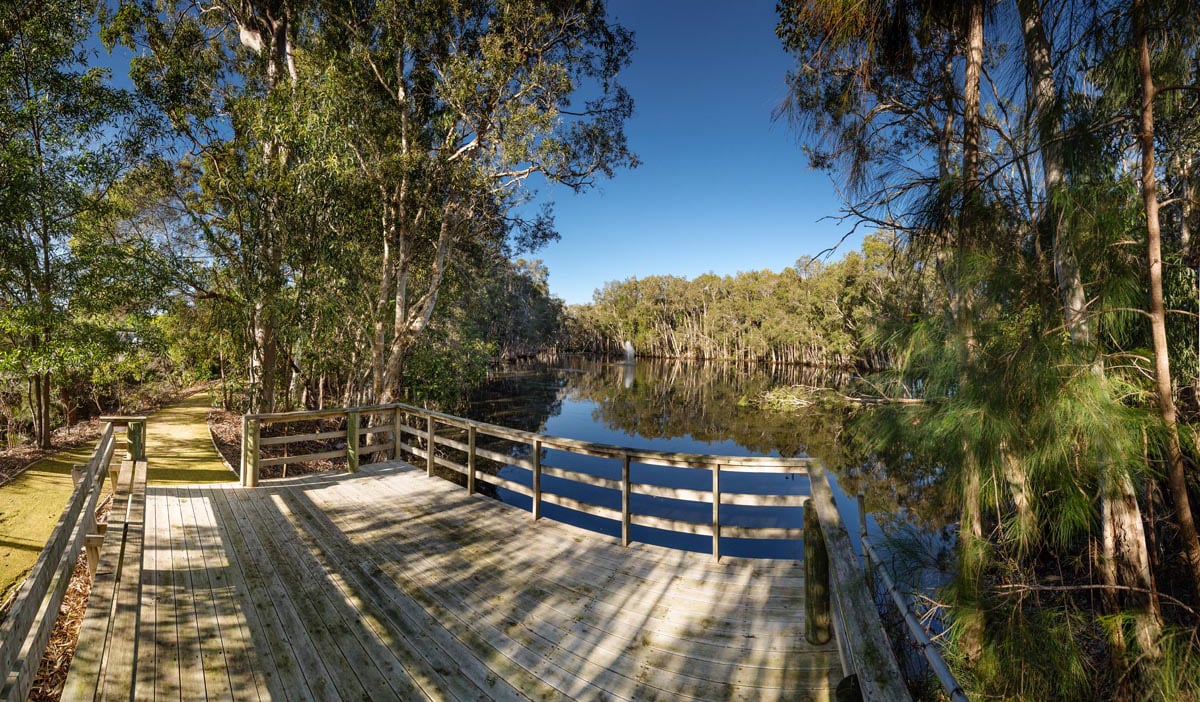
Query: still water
[704, 408]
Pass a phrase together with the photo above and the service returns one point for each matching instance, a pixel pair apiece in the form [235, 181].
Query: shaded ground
[81, 434]
[29, 508]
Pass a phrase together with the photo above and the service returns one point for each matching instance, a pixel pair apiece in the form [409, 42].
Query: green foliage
[831, 314]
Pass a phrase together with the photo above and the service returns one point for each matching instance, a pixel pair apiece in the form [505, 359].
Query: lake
[683, 407]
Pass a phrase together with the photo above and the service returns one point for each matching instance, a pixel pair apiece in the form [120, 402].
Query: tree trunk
[1176, 479]
[971, 528]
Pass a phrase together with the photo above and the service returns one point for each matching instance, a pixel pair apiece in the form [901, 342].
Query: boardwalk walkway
[388, 584]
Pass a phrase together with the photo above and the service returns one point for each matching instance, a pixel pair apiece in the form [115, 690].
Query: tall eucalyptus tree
[436, 116]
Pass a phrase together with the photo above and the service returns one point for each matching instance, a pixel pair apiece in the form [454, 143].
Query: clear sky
[722, 187]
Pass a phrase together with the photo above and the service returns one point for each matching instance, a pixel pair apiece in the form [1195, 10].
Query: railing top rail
[549, 441]
[121, 420]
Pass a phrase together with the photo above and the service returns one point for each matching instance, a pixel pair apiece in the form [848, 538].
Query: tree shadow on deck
[392, 584]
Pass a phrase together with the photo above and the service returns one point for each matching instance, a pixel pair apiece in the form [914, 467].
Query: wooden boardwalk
[388, 584]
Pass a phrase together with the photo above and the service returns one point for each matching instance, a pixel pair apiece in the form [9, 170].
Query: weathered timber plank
[407, 644]
[215, 665]
[267, 635]
[551, 634]
[87, 667]
[192, 643]
[345, 646]
[302, 458]
[247, 671]
[296, 438]
[511, 661]
[405, 622]
[122, 643]
[878, 673]
[479, 549]
[323, 682]
[145, 671]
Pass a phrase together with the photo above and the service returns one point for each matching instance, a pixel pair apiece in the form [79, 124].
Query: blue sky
[722, 187]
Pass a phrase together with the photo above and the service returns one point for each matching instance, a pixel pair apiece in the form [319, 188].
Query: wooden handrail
[407, 435]
[25, 633]
[685, 460]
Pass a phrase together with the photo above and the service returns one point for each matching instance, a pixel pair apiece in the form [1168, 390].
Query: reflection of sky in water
[580, 418]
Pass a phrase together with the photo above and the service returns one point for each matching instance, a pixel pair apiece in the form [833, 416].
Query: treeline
[1038, 162]
[812, 313]
[314, 202]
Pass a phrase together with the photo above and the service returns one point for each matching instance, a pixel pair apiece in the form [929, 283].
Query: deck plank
[267, 638]
[296, 656]
[145, 673]
[389, 584]
[372, 663]
[187, 620]
[709, 679]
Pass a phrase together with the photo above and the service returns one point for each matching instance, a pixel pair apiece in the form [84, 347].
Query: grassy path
[178, 449]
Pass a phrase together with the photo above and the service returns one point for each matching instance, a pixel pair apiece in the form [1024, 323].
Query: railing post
[537, 480]
[352, 441]
[245, 467]
[625, 485]
[251, 430]
[716, 517]
[430, 440]
[471, 460]
[135, 437]
[817, 620]
[395, 433]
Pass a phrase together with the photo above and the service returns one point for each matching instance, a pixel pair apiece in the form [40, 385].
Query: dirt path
[178, 449]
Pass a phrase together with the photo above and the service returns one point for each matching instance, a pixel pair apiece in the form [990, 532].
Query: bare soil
[226, 428]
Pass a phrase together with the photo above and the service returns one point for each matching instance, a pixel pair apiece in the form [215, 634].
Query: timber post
[251, 431]
[817, 620]
[352, 441]
[716, 516]
[135, 436]
[395, 433]
[93, 538]
[537, 480]
[625, 489]
[471, 460]
[430, 438]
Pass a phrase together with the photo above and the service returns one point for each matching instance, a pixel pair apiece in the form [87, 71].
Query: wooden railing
[836, 594]
[413, 431]
[26, 630]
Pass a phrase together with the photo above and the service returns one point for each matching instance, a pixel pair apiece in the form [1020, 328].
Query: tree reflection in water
[695, 407]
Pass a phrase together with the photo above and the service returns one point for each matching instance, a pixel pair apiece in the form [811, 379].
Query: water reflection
[667, 406]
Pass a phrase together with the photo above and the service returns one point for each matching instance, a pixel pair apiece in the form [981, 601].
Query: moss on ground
[178, 450]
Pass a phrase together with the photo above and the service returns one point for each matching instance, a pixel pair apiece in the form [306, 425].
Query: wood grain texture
[388, 584]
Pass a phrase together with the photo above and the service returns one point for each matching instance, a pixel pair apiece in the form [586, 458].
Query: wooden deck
[388, 584]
